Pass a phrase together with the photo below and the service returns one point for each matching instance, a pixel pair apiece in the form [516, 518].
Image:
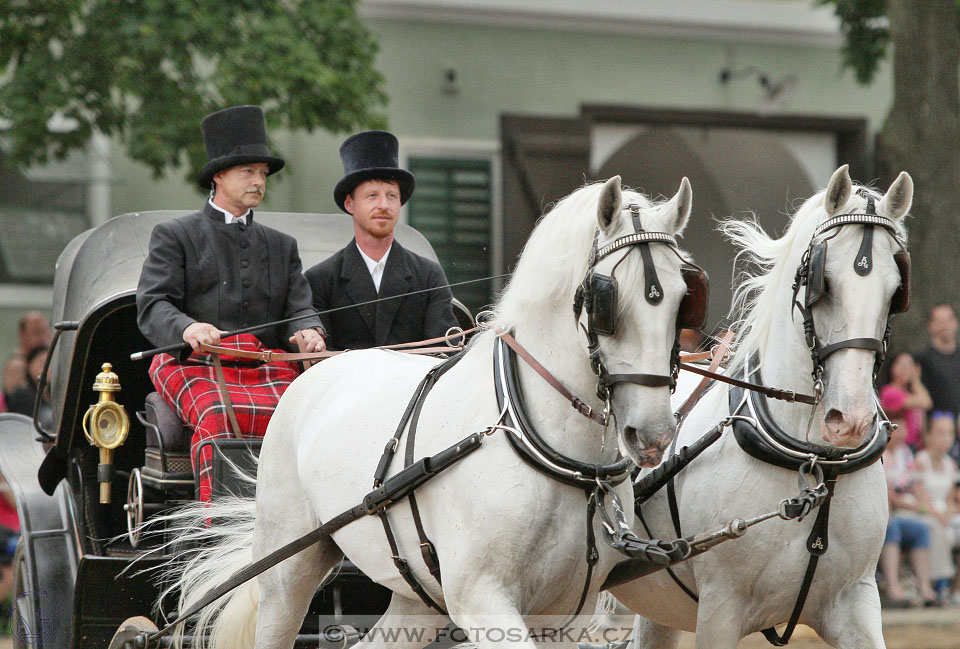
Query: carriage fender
[49, 549]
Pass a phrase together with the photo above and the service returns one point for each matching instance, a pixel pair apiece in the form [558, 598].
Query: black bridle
[810, 274]
[597, 294]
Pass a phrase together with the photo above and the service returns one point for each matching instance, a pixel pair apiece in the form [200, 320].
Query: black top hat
[371, 155]
[235, 136]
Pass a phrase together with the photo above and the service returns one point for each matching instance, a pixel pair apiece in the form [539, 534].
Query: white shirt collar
[229, 218]
[375, 267]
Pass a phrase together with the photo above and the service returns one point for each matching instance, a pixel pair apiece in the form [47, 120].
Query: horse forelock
[554, 259]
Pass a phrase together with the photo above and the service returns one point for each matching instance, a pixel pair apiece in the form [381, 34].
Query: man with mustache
[218, 270]
[375, 267]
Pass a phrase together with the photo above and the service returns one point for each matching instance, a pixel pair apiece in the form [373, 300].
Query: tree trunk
[922, 136]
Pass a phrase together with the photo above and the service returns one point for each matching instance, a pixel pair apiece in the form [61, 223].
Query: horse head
[851, 293]
[633, 292]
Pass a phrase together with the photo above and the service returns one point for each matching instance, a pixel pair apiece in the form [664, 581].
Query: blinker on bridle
[811, 274]
[598, 294]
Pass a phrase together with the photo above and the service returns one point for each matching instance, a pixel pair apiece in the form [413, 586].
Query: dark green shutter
[452, 207]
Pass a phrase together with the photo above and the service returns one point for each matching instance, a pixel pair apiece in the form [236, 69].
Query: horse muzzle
[847, 430]
[646, 453]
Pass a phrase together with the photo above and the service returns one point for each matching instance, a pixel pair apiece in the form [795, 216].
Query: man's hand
[310, 341]
[201, 332]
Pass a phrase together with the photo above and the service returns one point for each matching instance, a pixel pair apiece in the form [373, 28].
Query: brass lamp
[110, 425]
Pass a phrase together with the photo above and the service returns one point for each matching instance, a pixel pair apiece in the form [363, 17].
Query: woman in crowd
[906, 531]
[905, 396]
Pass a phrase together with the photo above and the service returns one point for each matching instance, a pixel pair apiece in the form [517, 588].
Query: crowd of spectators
[922, 396]
[18, 394]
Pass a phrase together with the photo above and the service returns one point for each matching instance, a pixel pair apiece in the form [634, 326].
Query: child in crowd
[938, 473]
[906, 530]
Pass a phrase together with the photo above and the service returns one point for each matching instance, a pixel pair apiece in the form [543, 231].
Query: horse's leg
[406, 624]
[284, 513]
[286, 591]
[719, 625]
[647, 634]
[490, 620]
[853, 621]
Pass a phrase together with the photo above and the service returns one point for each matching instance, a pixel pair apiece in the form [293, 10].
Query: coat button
[244, 263]
[246, 305]
[243, 243]
[246, 283]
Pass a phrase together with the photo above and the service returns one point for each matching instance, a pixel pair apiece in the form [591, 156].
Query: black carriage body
[67, 570]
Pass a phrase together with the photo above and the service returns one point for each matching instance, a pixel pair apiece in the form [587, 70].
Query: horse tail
[212, 542]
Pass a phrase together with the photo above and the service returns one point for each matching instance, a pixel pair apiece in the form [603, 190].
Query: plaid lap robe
[191, 389]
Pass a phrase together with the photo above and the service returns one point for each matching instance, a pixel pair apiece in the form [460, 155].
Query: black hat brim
[215, 166]
[349, 182]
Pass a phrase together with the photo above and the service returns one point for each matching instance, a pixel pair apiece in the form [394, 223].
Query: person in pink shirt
[905, 396]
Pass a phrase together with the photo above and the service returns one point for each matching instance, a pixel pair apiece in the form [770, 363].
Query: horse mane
[554, 259]
[767, 263]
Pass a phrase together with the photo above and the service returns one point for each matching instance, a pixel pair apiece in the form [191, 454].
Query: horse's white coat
[751, 583]
[511, 541]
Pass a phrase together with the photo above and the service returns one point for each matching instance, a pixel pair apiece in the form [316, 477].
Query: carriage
[86, 531]
[80, 529]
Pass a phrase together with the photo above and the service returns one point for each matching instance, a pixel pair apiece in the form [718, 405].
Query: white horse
[752, 583]
[511, 541]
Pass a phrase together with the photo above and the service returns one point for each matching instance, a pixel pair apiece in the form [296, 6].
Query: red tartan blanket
[191, 389]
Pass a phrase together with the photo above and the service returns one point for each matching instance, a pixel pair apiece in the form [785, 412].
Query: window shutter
[452, 208]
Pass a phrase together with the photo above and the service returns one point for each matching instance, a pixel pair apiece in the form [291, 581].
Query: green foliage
[147, 71]
[865, 28]
[864, 24]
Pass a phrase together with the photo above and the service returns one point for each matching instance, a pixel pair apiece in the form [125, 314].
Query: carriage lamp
[106, 425]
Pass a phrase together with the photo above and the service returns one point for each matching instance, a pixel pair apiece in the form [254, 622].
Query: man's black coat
[200, 269]
[343, 280]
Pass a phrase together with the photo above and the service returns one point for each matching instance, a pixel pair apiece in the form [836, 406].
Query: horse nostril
[834, 416]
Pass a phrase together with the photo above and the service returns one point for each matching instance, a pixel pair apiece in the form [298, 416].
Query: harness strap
[648, 380]
[664, 474]
[765, 390]
[427, 550]
[870, 344]
[246, 574]
[412, 415]
[721, 352]
[682, 586]
[555, 383]
[225, 395]
[816, 546]
[269, 355]
[593, 555]
[653, 291]
[403, 567]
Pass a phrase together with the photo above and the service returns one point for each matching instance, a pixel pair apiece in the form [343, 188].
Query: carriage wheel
[134, 508]
[129, 630]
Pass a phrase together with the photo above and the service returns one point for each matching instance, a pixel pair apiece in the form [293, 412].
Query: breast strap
[773, 446]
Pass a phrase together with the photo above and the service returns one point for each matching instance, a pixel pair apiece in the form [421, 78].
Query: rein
[417, 347]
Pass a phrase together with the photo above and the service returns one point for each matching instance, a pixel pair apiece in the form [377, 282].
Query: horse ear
[896, 202]
[838, 190]
[682, 202]
[609, 205]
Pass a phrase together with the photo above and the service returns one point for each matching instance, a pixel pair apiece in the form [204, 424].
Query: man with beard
[217, 270]
[374, 266]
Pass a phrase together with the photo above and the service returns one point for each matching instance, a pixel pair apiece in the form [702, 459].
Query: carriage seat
[174, 435]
